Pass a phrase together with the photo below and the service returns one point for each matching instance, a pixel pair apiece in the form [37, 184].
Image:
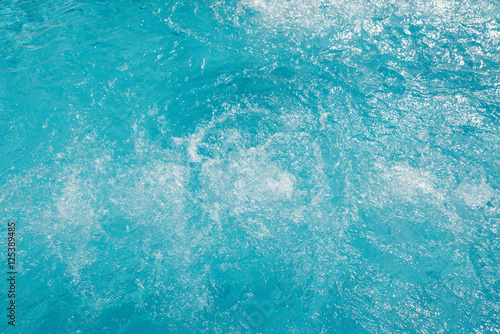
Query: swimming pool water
[252, 166]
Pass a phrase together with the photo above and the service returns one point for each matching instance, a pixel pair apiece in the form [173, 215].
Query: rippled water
[253, 166]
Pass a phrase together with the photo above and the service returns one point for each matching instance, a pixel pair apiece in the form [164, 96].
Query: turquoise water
[253, 166]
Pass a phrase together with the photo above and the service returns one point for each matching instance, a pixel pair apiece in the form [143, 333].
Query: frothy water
[252, 166]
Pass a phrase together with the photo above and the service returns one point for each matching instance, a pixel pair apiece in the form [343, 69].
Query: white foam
[475, 194]
[194, 142]
[283, 186]
[409, 183]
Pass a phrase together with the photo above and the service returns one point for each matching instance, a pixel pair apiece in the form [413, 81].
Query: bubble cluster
[253, 166]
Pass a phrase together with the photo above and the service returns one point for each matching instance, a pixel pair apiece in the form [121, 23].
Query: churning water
[252, 166]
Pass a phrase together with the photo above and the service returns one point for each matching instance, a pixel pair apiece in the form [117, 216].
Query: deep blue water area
[251, 166]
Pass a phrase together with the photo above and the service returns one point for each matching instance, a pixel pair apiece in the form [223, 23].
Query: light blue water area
[252, 166]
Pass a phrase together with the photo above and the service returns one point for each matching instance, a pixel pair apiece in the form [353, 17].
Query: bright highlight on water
[250, 166]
